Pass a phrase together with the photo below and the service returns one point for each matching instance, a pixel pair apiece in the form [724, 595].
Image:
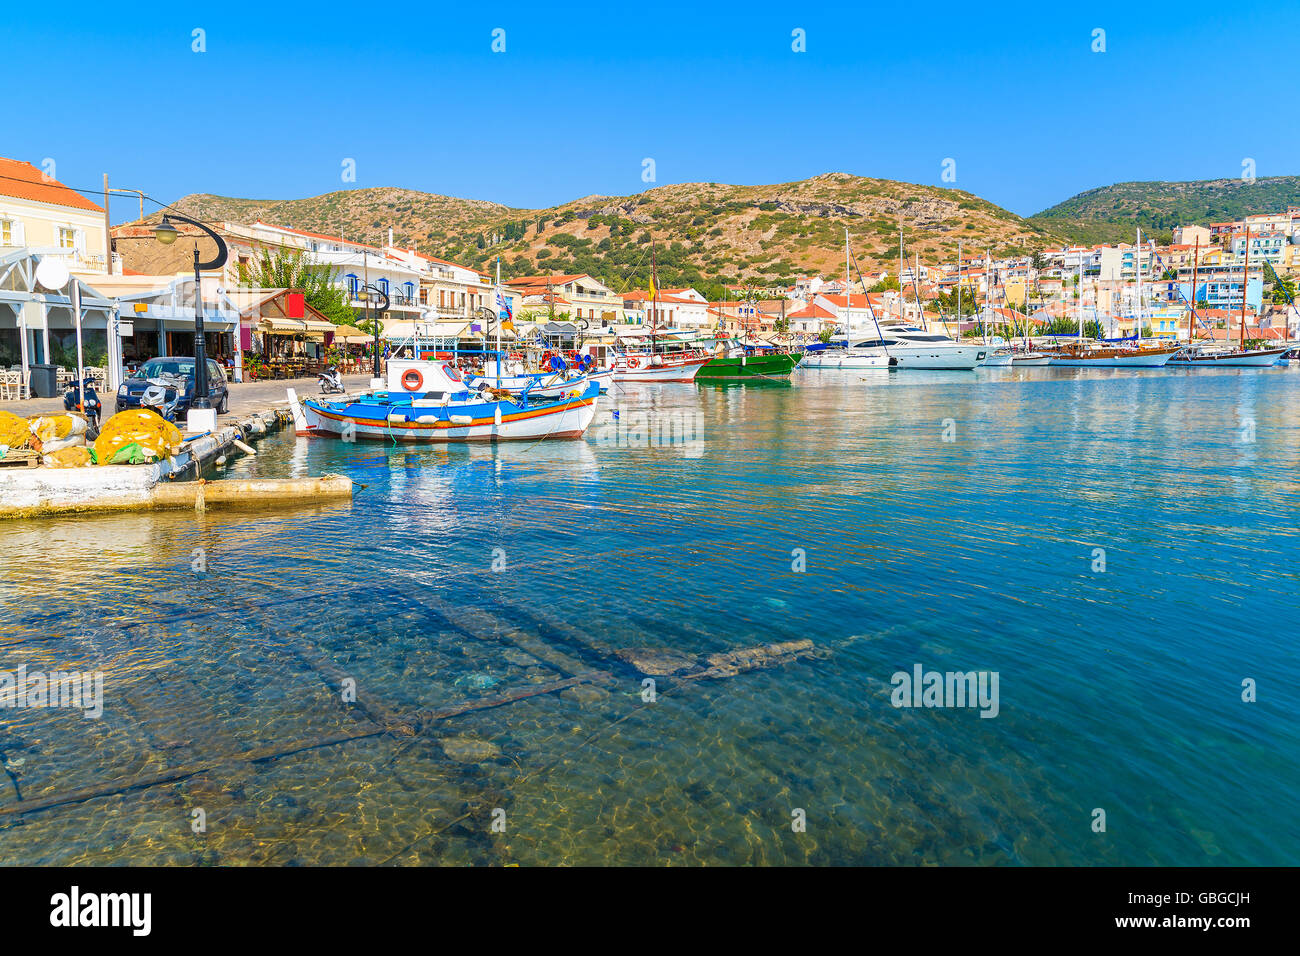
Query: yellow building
[41, 214]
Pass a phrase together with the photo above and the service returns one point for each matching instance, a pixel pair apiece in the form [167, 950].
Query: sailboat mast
[654, 295]
[959, 278]
[916, 287]
[848, 302]
[1137, 322]
[1191, 315]
[901, 315]
[1245, 278]
[496, 306]
[988, 298]
[1079, 307]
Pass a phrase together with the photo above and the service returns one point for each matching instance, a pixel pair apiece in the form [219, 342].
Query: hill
[1111, 213]
[705, 234]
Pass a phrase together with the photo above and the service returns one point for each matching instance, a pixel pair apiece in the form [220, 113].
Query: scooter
[72, 402]
[330, 381]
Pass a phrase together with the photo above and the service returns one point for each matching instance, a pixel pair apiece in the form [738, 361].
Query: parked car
[166, 384]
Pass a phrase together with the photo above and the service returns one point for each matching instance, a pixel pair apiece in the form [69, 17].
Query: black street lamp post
[371, 291]
[165, 232]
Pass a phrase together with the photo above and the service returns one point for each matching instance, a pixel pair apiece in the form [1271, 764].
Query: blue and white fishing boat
[431, 402]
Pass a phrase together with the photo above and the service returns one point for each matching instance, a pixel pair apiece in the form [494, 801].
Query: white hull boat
[1232, 358]
[845, 358]
[903, 347]
[658, 367]
[429, 402]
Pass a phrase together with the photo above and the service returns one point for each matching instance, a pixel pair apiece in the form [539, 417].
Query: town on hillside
[286, 296]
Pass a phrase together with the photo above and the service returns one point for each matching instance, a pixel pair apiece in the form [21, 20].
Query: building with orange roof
[585, 296]
[39, 212]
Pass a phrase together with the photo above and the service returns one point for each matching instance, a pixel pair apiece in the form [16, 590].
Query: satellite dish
[52, 274]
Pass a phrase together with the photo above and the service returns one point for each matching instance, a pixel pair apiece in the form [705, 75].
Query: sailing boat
[907, 346]
[1080, 355]
[1195, 356]
[658, 364]
[839, 352]
[1026, 356]
[1000, 356]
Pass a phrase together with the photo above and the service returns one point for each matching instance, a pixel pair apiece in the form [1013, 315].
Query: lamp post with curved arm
[371, 290]
[166, 233]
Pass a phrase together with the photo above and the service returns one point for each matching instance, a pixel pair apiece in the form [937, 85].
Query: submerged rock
[469, 749]
[657, 662]
[585, 694]
[477, 681]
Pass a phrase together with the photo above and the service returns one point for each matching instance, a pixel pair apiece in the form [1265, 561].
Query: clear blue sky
[584, 93]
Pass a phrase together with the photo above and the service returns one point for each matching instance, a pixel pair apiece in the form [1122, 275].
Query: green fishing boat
[737, 364]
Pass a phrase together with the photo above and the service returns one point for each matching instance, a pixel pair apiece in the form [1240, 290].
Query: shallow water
[707, 518]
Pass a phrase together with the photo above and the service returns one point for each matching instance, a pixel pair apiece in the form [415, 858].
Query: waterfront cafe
[38, 326]
[287, 335]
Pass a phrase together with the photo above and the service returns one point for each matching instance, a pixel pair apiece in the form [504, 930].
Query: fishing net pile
[136, 436]
[48, 435]
[15, 431]
[131, 437]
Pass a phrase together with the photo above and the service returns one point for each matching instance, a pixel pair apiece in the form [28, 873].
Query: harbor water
[1118, 548]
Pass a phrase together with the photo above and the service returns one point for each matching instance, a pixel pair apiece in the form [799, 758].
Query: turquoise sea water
[1119, 689]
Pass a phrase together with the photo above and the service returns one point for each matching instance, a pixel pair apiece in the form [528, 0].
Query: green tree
[1283, 291]
[290, 269]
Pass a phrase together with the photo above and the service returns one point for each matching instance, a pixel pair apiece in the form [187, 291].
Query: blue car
[166, 384]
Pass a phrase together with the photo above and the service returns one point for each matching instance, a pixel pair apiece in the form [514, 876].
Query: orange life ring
[633, 363]
[412, 380]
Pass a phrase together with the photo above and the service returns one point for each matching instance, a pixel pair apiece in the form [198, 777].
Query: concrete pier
[40, 492]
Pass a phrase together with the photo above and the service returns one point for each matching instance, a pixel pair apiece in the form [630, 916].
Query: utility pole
[108, 232]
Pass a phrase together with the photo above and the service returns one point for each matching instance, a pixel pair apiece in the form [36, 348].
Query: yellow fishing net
[77, 456]
[151, 435]
[15, 432]
[54, 427]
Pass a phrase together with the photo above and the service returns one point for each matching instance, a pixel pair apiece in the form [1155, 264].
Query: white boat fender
[246, 449]
[497, 417]
[427, 419]
[462, 419]
[396, 418]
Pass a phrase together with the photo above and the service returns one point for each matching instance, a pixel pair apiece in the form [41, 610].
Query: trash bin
[44, 381]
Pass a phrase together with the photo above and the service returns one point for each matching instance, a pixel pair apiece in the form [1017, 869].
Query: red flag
[295, 305]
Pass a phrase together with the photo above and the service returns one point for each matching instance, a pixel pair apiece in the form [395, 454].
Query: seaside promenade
[246, 398]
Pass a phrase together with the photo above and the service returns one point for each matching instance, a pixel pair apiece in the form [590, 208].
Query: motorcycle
[331, 382]
[72, 402]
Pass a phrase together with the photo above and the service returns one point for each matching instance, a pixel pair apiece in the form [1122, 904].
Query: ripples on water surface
[1119, 690]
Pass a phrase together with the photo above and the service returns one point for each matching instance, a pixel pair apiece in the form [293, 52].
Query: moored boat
[431, 402]
[659, 366]
[1077, 356]
[737, 362]
[1197, 357]
[1020, 359]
